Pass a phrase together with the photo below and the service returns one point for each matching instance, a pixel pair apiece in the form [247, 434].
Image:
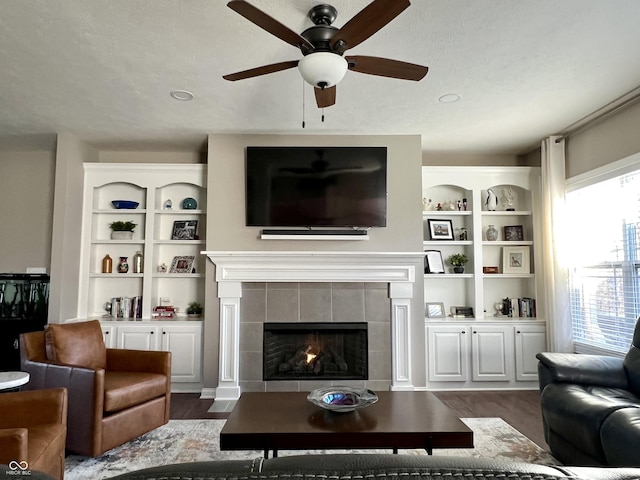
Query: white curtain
[554, 239]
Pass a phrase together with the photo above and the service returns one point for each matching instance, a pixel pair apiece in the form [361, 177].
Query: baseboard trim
[207, 393]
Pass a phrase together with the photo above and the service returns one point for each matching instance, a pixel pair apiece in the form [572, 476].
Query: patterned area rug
[183, 441]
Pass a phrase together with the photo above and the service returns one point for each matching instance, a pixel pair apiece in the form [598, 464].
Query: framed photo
[184, 230]
[433, 261]
[515, 260]
[434, 309]
[466, 312]
[182, 264]
[513, 233]
[440, 229]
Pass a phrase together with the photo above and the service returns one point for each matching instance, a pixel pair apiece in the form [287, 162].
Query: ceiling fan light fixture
[323, 69]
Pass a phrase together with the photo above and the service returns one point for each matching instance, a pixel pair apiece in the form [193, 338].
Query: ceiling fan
[323, 46]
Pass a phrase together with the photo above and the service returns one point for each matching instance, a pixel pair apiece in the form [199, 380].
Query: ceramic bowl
[126, 204]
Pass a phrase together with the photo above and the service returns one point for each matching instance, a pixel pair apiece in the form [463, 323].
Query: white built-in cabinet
[485, 350]
[182, 338]
[154, 187]
[530, 340]
[482, 354]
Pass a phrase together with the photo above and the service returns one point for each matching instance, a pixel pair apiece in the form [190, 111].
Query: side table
[12, 380]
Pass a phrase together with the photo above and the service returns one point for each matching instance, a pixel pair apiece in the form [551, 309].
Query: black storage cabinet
[24, 303]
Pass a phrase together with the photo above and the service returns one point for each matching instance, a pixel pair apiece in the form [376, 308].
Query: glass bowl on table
[342, 399]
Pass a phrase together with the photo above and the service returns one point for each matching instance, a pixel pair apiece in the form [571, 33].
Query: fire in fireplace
[311, 351]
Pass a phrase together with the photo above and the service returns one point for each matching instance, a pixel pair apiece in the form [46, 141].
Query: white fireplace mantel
[398, 269]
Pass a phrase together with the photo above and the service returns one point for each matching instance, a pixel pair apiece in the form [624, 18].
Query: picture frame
[440, 229]
[513, 233]
[515, 260]
[182, 264]
[433, 262]
[184, 230]
[466, 312]
[434, 310]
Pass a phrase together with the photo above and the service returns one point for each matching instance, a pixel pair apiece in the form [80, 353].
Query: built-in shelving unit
[152, 186]
[481, 291]
[488, 347]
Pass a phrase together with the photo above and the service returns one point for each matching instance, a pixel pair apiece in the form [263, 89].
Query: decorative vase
[492, 233]
[107, 264]
[458, 269]
[123, 266]
[138, 261]
[121, 235]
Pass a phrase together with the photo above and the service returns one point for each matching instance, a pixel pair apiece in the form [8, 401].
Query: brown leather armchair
[33, 429]
[115, 395]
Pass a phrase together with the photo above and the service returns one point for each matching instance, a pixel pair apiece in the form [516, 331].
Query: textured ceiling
[103, 70]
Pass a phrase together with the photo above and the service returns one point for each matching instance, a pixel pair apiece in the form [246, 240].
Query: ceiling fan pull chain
[323, 115]
[303, 123]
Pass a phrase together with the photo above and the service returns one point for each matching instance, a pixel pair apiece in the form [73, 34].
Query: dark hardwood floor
[189, 406]
[520, 409]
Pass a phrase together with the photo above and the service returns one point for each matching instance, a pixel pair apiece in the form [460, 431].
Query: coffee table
[288, 421]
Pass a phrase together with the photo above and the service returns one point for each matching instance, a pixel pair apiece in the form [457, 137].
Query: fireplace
[397, 269]
[312, 351]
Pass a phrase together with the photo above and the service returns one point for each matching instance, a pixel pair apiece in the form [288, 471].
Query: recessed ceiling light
[449, 98]
[182, 95]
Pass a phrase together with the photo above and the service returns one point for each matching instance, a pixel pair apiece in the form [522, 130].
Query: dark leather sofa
[591, 406]
[373, 467]
[365, 467]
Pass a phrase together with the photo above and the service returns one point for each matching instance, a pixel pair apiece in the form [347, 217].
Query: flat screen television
[316, 186]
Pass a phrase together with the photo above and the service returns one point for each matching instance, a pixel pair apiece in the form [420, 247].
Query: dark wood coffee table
[288, 421]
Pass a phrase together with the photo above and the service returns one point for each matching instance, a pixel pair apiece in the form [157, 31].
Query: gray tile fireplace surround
[314, 302]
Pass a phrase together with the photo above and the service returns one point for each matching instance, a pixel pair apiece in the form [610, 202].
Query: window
[604, 263]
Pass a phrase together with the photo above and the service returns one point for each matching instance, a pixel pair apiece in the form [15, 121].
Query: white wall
[26, 186]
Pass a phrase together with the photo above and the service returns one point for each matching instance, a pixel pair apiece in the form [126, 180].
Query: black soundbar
[314, 232]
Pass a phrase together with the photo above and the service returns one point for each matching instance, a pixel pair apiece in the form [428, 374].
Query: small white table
[13, 379]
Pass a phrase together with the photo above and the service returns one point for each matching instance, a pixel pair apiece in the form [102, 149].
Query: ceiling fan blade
[325, 97]
[367, 22]
[269, 24]
[385, 67]
[264, 70]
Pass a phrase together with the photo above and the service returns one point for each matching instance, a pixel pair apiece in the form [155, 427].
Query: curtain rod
[601, 114]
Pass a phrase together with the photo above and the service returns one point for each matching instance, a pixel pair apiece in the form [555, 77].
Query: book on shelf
[163, 311]
[524, 307]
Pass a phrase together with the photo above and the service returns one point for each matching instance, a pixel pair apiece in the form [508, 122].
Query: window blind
[604, 263]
